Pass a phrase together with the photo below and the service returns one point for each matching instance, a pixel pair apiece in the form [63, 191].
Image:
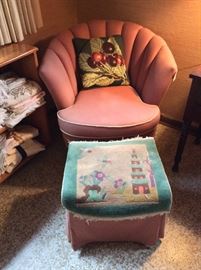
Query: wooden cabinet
[22, 59]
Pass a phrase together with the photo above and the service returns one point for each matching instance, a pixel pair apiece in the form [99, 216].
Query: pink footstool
[115, 191]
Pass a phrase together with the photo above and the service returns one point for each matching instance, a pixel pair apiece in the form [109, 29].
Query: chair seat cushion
[109, 112]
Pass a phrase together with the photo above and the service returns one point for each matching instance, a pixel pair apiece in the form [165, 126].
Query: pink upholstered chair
[109, 112]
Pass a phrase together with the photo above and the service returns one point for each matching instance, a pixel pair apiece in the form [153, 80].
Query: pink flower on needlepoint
[118, 183]
[99, 175]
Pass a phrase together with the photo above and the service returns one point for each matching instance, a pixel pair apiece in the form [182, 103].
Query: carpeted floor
[32, 224]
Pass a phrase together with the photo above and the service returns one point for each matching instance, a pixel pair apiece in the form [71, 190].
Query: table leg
[181, 144]
[198, 136]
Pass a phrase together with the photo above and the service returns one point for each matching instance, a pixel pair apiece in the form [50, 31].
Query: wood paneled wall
[177, 21]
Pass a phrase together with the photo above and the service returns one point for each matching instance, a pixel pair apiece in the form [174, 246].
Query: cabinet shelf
[14, 52]
[22, 59]
[31, 119]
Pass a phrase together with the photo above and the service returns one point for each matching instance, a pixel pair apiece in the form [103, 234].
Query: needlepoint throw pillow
[101, 62]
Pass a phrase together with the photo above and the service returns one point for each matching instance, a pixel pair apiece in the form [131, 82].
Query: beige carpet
[32, 224]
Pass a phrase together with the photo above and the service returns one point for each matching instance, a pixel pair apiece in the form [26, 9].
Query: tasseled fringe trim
[93, 218]
[111, 141]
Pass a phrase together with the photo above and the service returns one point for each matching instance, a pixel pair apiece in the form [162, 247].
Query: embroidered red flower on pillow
[101, 62]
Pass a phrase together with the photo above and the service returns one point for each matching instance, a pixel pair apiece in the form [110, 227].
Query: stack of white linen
[3, 95]
[3, 116]
[18, 98]
[2, 153]
[16, 145]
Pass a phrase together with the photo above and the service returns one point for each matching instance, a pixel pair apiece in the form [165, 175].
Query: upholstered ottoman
[115, 191]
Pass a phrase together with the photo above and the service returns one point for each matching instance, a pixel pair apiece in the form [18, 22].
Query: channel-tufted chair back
[151, 68]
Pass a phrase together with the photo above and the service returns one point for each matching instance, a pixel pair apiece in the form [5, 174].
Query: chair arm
[61, 83]
[152, 66]
[160, 75]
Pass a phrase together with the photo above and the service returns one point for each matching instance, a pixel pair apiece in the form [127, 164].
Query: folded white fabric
[3, 116]
[13, 84]
[19, 135]
[14, 118]
[29, 148]
[3, 91]
[27, 102]
[18, 98]
[11, 161]
[2, 152]
[20, 90]
[16, 145]
[32, 147]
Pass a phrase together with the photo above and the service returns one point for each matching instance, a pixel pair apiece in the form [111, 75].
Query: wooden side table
[192, 114]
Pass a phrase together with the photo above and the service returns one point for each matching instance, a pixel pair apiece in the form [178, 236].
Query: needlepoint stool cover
[115, 179]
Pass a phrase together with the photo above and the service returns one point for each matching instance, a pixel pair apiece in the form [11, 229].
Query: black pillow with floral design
[101, 62]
